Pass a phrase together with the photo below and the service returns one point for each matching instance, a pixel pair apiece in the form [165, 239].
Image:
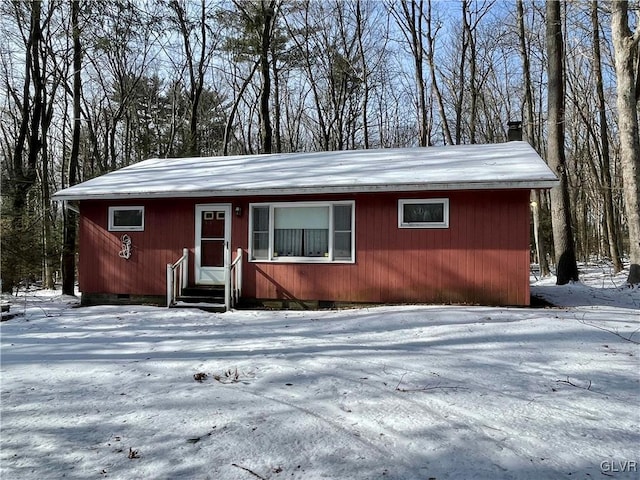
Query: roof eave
[330, 189]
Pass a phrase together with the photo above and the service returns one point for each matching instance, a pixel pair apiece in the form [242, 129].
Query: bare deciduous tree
[604, 155]
[566, 266]
[626, 47]
[70, 219]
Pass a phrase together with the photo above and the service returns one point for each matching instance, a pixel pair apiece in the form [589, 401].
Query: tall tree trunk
[277, 113]
[365, 74]
[566, 266]
[462, 66]
[541, 247]
[410, 22]
[234, 109]
[626, 46]
[70, 220]
[473, 108]
[196, 69]
[431, 38]
[50, 262]
[604, 141]
[23, 175]
[266, 133]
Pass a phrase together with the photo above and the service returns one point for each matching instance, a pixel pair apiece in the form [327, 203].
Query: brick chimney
[514, 132]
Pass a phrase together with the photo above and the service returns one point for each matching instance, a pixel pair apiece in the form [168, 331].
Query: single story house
[431, 225]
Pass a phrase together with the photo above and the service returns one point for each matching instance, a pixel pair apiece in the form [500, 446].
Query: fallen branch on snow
[569, 382]
[426, 387]
[248, 470]
[614, 332]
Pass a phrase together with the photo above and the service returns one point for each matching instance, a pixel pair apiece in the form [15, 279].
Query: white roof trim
[513, 165]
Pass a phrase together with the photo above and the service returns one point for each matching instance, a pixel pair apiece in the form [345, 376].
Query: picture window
[302, 232]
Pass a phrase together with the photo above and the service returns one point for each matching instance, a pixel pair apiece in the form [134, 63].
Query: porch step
[209, 298]
[212, 291]
[206, 306]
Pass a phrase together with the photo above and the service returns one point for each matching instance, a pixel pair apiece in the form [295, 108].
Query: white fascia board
[421, 187]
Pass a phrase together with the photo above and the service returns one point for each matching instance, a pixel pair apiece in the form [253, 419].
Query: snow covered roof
[460, 167]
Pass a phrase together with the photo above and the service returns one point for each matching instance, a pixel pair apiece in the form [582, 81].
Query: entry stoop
[209, 298]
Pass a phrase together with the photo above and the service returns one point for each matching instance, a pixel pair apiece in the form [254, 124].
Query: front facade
[480, 256]
[369, 244]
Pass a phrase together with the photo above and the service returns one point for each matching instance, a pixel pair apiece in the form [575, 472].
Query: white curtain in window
[301, 231]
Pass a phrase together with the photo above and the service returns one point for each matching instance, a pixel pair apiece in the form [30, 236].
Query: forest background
[89, 86]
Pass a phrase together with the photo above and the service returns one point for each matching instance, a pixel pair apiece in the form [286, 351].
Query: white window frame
[414, 201]
[286, 259]
[125, 228]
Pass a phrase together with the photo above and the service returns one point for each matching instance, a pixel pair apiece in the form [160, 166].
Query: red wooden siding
[168, 225]
[483, 257]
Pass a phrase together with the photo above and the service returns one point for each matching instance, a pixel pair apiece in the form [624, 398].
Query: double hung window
[310, 232]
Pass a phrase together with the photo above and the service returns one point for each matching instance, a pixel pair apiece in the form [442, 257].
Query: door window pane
[212, 226]
[212, 253]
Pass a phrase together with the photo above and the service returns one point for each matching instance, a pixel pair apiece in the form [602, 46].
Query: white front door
[213, 234]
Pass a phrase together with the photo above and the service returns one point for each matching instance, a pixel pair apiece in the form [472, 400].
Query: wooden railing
[177, 277]
[233, 283]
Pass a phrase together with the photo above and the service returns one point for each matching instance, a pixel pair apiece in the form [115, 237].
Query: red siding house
[430, 225]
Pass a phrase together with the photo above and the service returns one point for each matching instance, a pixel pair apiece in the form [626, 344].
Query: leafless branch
[569, 382]
[248, 470]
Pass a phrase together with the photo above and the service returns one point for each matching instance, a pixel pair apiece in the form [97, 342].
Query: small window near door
[427, 213]
[126, 219]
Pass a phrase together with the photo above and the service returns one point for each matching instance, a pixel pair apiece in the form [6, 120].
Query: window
[126, 219]
[309, 232]
[430, 213]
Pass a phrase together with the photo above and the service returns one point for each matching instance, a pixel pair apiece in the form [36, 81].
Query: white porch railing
[233, 283]
[177, 277]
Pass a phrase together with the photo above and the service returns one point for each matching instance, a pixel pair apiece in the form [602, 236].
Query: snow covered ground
[392, 392]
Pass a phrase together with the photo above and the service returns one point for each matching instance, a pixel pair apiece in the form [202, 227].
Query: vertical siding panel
[482, 265]
[411, 263]
[506, 254]
[465, 209]
[438, 261]
[458, 227]
[524, 213]
[377, 251]
[473, 248]
[503, 254]
[515, 265]
[374, 252]
[386, 247]
[364, 234]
